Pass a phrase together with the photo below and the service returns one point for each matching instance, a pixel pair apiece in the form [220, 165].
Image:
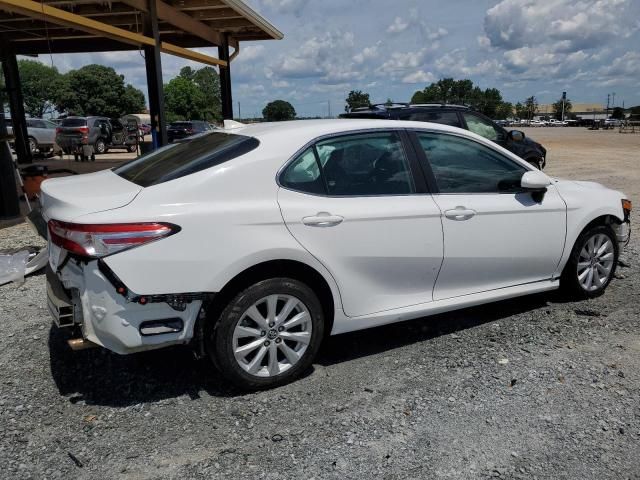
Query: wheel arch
[273, 269]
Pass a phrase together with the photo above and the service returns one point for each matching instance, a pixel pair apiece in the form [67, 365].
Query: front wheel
[100, 146]
[592, 263]
[267, 335]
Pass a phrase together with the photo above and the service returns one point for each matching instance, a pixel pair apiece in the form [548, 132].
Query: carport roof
[43, 26]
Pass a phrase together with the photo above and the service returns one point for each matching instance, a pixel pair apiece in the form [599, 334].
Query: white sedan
[255, 242]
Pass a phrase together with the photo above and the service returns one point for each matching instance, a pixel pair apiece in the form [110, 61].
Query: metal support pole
[9, 204]
[225, 79]
[16, 101]
[155, 89]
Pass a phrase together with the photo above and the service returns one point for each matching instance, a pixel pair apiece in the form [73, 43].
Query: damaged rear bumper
[80, 295]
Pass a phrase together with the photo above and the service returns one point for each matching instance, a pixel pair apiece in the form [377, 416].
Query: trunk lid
[67, 198]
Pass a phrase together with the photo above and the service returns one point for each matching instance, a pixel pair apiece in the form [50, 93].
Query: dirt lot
[531, 388]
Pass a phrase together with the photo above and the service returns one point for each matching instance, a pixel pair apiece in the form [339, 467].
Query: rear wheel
[592, 263]
[33, 145]
[267, 335]
[100, 146]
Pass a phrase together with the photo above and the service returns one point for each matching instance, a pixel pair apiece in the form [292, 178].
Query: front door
[495, 235]
[355, 204]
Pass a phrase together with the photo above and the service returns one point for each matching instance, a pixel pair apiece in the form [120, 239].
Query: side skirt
[343, 324]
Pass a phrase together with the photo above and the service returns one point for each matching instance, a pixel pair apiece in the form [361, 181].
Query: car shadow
[362, 343]
[100, 377]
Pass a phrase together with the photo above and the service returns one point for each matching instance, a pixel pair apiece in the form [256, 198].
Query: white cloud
[250, 53]
[367, 53]
[575, 25]
[398, 25]
[419, 76]
[286, 6]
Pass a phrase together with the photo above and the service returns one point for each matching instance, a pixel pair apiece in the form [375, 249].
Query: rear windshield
[74, 122]
[186, 157]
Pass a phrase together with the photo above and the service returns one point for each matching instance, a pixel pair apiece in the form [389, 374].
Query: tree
[278, 110]
[97, 90]
[357, 99]
[504, 111]
[521, 110]
[531, 107]
[557, 109]
[40, 84]
[183, 100]
[193, 95]
[618, 113]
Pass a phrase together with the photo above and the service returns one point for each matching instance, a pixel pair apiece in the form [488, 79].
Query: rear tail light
[100, 240]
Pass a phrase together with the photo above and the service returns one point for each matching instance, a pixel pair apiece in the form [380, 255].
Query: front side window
[365, 164]
[461, 165]
[482, 127]
[180, 159]
[303, 174]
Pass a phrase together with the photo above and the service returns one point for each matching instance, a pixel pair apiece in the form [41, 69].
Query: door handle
[459, 213]
[323, 219]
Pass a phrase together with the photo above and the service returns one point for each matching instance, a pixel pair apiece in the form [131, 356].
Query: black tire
[569, 282]
[219, 333]
[100, 146]
[33, 145]
[536, 162]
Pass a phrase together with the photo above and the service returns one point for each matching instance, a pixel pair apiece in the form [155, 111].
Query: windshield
[186, 157]
[74, 122]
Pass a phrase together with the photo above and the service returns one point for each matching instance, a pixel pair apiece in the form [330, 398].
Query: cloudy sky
[392, 48]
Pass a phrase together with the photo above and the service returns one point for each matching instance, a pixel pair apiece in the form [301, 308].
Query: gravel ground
[530, 388]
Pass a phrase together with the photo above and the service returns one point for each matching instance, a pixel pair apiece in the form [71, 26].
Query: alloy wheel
[272, 335]
[595, 263]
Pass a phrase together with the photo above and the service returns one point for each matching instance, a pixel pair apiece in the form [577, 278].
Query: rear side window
[184, 158]
[303, 174]
[74, 122]
[352, 165]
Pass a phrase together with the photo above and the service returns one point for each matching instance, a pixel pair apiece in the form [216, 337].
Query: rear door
[357, 203]
[495, 234]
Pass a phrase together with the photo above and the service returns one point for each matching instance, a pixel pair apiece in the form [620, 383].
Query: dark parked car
[461, 117]
[101, 133]
[184, 129]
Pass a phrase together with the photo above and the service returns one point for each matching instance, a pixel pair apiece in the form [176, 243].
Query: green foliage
[448, 90]
[618, 113]
[193, 95]
[97, 90]
[356, 99]
[40, 84]
[183, 99]
[557, 109]
[505, 110]
[278, 110]
[530, 107]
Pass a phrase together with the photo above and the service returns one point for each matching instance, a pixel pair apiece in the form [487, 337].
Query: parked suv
[183, 129]
[102, 133]
[461, 117]
[42, 134]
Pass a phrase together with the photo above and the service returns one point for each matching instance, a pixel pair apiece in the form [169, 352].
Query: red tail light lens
[100, 240]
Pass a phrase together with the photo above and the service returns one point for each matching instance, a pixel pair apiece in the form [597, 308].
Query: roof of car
[316, 128]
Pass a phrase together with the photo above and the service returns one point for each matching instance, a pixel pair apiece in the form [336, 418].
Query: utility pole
[564, 98]
[608, 96]
[329, 108]
[613, 102]
[239, 111]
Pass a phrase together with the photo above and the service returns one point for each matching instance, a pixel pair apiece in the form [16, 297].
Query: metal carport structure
[29, 27]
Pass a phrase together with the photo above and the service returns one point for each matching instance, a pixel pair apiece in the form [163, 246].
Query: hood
[68, 198]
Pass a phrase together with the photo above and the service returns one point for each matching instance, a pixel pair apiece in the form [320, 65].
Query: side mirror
[535, 181]
[516, 135]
